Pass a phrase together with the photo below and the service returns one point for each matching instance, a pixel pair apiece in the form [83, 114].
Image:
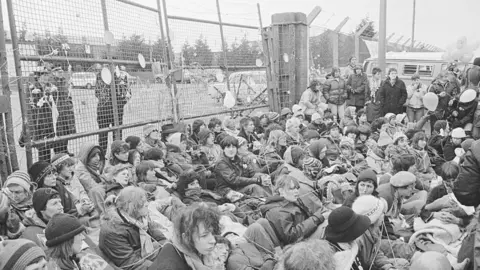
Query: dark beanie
[311, 134]
[19, 253]
[133, 141]
[38, 171]
[368, 175]
[197, 124]
[40, 198]
[62, 227]
[297, 153]
[476, 61]
[203, 135]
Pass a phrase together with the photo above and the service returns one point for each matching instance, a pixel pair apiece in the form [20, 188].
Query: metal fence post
[10, 140]
[21, 89]
[224, 46]
[113, 90]
[174, 90]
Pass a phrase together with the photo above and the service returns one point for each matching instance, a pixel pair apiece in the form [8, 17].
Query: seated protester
[119, 178]
[366, 185]
[310, 136]
[350, 118]
[343, 231]
[215, 126]
[232, 173]
[193, 241]
[317, 124]
[245, 255]
[433, 260]
[118, 153]
[390, 126]
[247, 131]
[128, 237]
[249, 158]
[399, 147]
[398, 163]
[273, 118]
[197, 126]
[442, 209]
[275, 146]
[351, 132]
[163, 171]
[177, 152]
[362, 118]
[190, 191]
[310, 254]
[264, 122]
[451, 142]
[134, 157]
[22, 254]
[363, 143]
[133, 142]
[290, 220]
[293, 132]
[46, 175]
[401, 196]
[423, 167]
[350, 159]
[217, 259]
[335, 133]
[88, 172]
[463, 110]
[375, 209]
[229, 127]
[441, 129]
[401, 121]
[64, 234]
[285, 114]
[18, 190]
[152, 139]
[213, 152]
[46, 203]
[376, 128]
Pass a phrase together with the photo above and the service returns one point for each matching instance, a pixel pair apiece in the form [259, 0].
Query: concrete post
[357, 40]
[334, 37]
[382, 33]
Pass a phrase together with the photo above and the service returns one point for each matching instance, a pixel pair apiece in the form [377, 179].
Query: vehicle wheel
[89, 86]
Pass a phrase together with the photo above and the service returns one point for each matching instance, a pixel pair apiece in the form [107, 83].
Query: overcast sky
[439, 22]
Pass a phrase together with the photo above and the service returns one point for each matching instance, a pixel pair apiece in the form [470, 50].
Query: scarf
[146, 241]
[192, 259]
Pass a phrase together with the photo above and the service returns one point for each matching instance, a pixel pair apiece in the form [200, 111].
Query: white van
[426, 64]
[83, 79]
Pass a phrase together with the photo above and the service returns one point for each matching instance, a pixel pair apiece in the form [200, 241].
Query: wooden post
[334, 36]
[357, 40]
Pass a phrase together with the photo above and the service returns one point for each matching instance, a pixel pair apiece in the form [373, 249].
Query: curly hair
[187, 222]
[214, 122]
[229, 141]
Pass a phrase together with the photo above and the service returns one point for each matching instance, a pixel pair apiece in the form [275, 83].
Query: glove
[319, 218]
[13, 222]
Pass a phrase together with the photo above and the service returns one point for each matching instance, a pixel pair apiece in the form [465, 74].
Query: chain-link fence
[94, 70]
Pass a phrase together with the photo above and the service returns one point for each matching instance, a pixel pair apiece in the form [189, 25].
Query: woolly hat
[316, 116]
[285, 111]
[345, 186]
[398, 135]
[297, 153]
[466, 145]
[39, 170]
[364, 129]
[309, 161]
[402, 179]
[148, 129]
[116, 169]
[311, 134]
[272, 116]
[344, 225]
[119, 145]
[389, 115]
[203, 135]
[59, 159]
[297, 109]
[347, 142]
[399, 117]
[197, 124]
[368, 175]
[370, 206]
[61, 228]
[18, 254]
[40, 198]
[21, 178]
[317, 146]
[133, 141]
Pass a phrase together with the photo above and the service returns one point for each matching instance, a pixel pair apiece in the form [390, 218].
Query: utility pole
[413, 23]
[382, 35]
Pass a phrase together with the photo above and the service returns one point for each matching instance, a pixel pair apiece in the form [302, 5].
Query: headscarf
[293, 155]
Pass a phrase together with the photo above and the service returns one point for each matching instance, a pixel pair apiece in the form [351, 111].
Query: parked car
[83, 79]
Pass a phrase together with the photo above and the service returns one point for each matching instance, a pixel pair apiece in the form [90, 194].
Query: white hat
[297, 109]
[389, 115]
[458, 133]
[370, 206]
[316, 116]
[399, 135]
[399, 117]
[468, 95]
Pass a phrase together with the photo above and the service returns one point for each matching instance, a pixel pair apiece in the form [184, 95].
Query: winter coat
[369, 253]
[372, 95]
[34, 225]
[291, 221]
[467, 186]
[436, 141]
[170, 258]
[66, 114]
[393, 97]
[335, 91]
[120, 242]
[87, 177]
[451, 89]
[68, 200]
[246, 256]
[448, 149]
[415, 96]
[310, 101]
[41, 119]
[250, 138]
[233, 174]
[357, 85]
[466, 112]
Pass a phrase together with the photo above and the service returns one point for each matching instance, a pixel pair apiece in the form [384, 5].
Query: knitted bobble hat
[62, 227]
[18, 254]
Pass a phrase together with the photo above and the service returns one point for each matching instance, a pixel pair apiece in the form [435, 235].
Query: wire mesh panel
[286, 77]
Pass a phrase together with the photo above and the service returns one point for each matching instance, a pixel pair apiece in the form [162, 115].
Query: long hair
[130, 200]
[62, 254]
